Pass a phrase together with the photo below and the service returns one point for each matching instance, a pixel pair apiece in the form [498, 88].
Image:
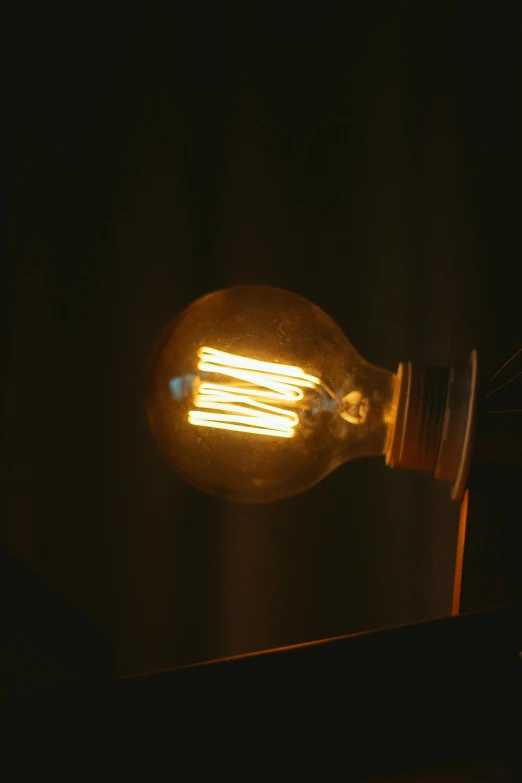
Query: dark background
[365, 155]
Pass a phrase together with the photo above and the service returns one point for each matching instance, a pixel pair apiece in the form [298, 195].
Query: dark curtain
[365, 155]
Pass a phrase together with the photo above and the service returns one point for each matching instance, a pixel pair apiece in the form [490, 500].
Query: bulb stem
[435, 421]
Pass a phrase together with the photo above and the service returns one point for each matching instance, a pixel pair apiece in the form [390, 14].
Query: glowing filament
[247, 394]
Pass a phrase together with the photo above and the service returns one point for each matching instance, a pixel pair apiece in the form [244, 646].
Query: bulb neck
[435, 422]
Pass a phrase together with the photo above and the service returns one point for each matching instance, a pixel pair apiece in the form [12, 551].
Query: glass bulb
[255, 394]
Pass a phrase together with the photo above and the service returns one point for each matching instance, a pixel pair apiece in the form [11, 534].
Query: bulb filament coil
[246, 395]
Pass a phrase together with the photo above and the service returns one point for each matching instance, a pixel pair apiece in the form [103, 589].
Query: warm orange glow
[459, 561]
[245, 404]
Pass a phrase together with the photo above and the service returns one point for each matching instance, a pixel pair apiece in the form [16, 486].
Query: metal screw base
[435, 421]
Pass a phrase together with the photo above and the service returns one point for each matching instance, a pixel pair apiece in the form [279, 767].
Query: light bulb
[255, 394]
